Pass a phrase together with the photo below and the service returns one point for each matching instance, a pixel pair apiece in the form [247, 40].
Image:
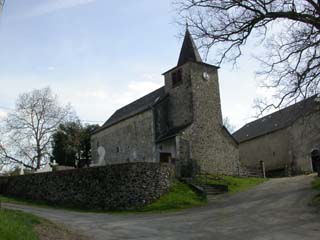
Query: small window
[118, 149]
[176, 78]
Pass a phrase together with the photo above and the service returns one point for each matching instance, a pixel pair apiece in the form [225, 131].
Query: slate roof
[189, 51]
[172, 132]
[135, 107]
[278, 120]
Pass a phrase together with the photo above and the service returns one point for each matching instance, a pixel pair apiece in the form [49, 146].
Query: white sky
[100, 55]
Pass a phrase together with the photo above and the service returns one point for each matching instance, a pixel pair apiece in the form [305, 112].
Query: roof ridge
[277, 120]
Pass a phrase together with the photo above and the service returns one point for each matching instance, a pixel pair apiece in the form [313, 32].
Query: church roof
[278, 120]
[135, 107]
[189, 51]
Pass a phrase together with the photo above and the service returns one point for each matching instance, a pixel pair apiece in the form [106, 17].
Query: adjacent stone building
[288, 141]
[179, 122]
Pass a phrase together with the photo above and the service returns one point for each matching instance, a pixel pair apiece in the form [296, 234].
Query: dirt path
[277, 209]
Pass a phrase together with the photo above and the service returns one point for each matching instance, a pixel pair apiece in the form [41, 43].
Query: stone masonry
[178, 123]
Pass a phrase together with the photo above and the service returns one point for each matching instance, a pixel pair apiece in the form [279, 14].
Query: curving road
[277, 209]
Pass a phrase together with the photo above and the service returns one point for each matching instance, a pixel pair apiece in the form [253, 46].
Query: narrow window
[118, 149]
[176, 78]
[179, 76]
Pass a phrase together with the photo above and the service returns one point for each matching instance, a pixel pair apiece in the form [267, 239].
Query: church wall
[130, 140]
[210, 144]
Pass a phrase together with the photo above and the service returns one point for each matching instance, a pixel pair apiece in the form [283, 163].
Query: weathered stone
[116, 187]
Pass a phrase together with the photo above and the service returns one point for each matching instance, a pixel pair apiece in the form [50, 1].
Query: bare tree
[228, 125]
[27, 131]
[1, 5]
[289, 29]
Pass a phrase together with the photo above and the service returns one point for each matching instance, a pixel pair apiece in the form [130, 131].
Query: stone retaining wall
[115, 187]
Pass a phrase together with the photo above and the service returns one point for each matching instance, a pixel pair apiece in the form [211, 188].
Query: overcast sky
[100, 55]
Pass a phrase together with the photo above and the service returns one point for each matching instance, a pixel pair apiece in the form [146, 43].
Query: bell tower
[192, 117]
[193, 88]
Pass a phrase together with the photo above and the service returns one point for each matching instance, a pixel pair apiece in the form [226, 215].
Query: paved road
[277, 209]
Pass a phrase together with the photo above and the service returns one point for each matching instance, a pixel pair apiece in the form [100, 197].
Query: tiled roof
[135, 107]
[172, 132]
[278, 120]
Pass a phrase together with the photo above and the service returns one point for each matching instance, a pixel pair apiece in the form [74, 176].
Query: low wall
[114, 187]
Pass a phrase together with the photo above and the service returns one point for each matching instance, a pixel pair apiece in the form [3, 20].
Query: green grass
[236, 184]
[316, 185]
[180, 196]
[16, 225]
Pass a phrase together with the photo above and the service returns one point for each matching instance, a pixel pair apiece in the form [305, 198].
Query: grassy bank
[15, 225]
[236, 184]
[316, 185]
[180, 196]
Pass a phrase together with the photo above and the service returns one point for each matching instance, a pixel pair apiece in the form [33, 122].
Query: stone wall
[288, 149]
[304, 138]
[273, 149]
[115, 187]
[197, 101]
[130, 140]
[210, 144]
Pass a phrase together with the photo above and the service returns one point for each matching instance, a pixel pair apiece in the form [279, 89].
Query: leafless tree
[1, 5]
[27, 131]
[228, 125]
[289, 30]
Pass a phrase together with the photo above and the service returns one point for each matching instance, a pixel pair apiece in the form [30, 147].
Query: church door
[165, 157]
[315, 156]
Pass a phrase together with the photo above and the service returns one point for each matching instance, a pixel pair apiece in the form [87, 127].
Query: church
[179, 122]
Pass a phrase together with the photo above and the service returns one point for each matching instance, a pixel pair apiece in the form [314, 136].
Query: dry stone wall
[115, 187]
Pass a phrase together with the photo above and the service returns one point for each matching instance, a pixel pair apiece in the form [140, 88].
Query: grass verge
[237, 184]
[316, 185]
[16, 225]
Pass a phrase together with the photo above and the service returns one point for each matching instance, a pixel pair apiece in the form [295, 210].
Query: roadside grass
[180, 196]
[16, 225]
[236, 184]
[316, 185]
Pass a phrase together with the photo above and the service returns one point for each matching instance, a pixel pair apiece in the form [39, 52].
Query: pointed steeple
[189, 51]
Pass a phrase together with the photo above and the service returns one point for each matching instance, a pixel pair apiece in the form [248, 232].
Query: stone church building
[178, 122]
[288, 141]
